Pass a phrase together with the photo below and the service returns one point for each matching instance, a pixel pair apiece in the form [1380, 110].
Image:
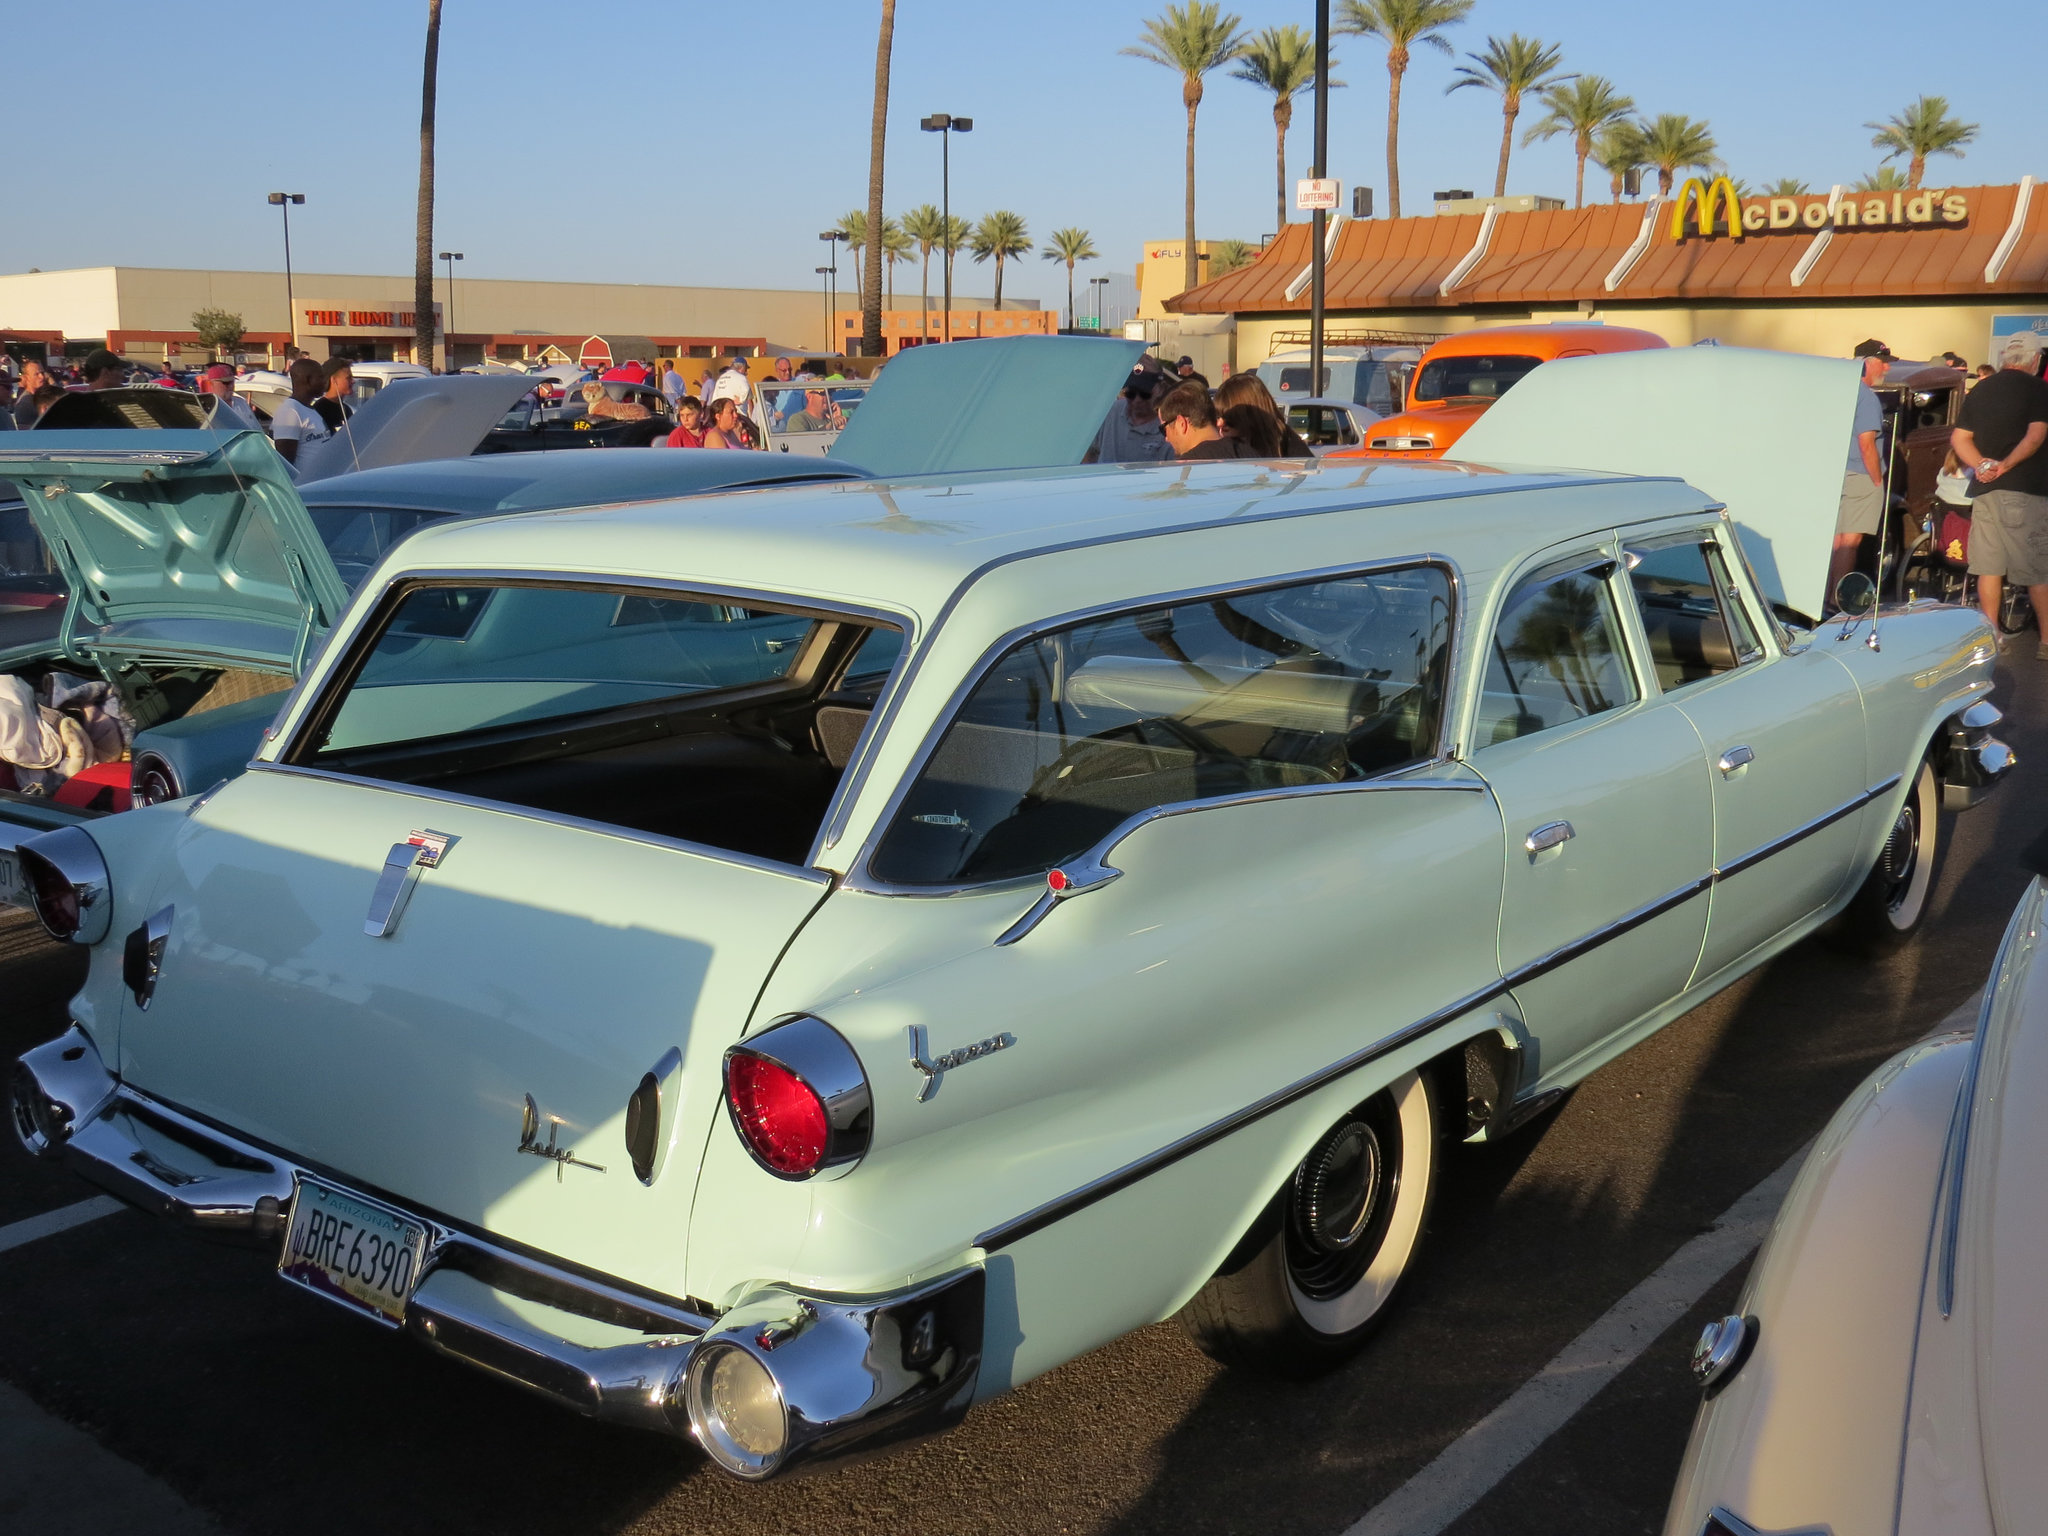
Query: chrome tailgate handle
[1734, 760]
[1552, 834]
[401, 872]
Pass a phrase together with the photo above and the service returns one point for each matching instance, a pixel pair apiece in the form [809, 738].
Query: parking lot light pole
[945, 125]
[1098, 284]
[283, 201]
[832, 289]
[826, 290]
[448, 325]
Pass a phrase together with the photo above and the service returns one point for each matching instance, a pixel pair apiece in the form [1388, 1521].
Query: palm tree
[1227, 256]
[1787, 186]
[1886, 178]
[1619, 149]
[1923, 129]
[896, 246]
[1401, 25]
[853, 229]
[871, 271]
[423, 219]
[925, 227]
[1281, 60]
[1674, 143]
[1510, 66]
[1192, 40]
[1000, 234]
[1070, 245]
[1585, 108]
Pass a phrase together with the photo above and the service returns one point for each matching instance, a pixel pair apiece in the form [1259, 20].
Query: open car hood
[192, 544]
[410, 420]
[1011, 402]
[1765, 433]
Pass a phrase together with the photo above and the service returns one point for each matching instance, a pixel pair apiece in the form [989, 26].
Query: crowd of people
[1167, 413]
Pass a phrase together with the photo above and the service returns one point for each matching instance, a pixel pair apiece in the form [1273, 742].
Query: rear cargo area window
[709, 721]
[1074, 731]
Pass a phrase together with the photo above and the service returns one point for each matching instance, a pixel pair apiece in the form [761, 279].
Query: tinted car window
[1684, 617]
[457, 659]
[1071, 732]
[1484, 378]
[358, 537]
[1294, 381]
[1555, 658]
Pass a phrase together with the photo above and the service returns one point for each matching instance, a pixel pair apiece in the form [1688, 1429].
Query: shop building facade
[146, 313]
[1939, 269]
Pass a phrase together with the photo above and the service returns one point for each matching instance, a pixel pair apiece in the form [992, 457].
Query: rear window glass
[1294, 381]
[1072, 732]
[356, 538]
[454, 660]
[1482, 378]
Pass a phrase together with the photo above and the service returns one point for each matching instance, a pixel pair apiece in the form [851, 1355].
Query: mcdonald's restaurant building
[1927, 271]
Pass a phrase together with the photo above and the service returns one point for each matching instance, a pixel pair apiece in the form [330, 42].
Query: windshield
[1486, 377]
[790, 408]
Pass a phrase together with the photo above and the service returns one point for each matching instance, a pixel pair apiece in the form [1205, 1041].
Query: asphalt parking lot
[158, 1384]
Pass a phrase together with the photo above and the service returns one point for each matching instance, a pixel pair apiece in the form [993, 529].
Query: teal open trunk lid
[187, 545]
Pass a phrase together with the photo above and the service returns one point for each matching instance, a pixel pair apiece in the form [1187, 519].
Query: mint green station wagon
[780, 967]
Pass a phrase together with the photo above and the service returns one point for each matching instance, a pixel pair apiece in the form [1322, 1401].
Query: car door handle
[401, 872]
[1734, 760]
[1552, 834]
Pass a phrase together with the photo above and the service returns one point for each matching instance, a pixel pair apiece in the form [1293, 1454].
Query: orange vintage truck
[1460, 376]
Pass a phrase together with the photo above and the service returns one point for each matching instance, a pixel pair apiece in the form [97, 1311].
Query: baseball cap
[2021, 347]
[1185, 362]
[1871, 348]
[219, 371]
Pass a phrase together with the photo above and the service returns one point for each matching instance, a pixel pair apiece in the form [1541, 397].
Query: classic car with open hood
[779, 968]
[190, 574]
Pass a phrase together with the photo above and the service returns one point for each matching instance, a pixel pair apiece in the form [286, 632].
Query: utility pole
[283, 202]
[945, 125]
[1319, 223]
[448, 329]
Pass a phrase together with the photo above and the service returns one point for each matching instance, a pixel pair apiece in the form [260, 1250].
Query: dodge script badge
[937, 1066]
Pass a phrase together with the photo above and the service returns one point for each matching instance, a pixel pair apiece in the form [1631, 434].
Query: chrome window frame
[337, 676]
[1706, 538]
[860, 875]
[1607, 552]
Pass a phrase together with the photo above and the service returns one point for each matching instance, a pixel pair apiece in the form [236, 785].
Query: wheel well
[1477, 1081]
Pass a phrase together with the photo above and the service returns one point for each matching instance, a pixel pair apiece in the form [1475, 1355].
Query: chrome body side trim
[1045, 1215]
[876, 1370]
[1800, 833]
[1092, 870]
[860, 876]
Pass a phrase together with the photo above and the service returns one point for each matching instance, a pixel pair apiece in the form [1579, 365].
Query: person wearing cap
[818, 415]
[1184, 370]
[733, 384]
[1998, 439]
[104, 370]
[1131, 434]
[229, 414]
[1862, 506]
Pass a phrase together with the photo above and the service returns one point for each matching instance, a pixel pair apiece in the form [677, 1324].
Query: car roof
[522, 482]
[910, 544]
[1547, 340]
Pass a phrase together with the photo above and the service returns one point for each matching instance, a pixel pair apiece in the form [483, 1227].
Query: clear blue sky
[689, 143]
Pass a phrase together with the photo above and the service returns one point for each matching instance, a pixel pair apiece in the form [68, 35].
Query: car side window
[1555, 658]
[1071, 732]
[1696, 627]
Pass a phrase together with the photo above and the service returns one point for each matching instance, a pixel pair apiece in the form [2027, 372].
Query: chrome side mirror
[1856, 594]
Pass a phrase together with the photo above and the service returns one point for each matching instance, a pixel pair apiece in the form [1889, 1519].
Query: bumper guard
[850, 1375]
[1973, 760]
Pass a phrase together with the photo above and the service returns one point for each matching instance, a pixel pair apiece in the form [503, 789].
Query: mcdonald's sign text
[1711, 210]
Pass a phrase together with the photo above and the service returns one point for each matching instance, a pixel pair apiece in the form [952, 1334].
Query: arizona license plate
[351, 1250]
[13, 890]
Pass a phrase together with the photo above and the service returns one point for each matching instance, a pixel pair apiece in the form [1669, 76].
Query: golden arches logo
[1708, 197]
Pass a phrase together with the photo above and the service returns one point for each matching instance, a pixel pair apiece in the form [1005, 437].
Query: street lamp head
[278, 198]
[938, 122]
[449, 256]
[821, 271]
[963, 125]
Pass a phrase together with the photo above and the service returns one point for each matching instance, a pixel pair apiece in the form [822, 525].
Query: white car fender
[1806, 1433]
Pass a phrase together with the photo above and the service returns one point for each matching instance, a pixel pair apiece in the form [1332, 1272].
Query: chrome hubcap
[1342, 1201]
[1901, 853]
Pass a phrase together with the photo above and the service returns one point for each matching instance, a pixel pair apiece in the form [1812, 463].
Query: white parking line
[1474, 1464]
[63, 1219]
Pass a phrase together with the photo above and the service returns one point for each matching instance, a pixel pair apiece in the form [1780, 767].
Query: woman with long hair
[1249, 411]
[728, 426]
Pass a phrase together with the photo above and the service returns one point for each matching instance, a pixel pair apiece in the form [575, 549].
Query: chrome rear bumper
[853, 1375]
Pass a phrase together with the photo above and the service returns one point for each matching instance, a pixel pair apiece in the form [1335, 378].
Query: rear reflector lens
[781, 1118]
[55, 899]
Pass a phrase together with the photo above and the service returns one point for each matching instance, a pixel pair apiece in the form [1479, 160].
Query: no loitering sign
[1313, 193]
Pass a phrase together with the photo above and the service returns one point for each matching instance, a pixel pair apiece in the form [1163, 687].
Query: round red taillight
[778, 1113]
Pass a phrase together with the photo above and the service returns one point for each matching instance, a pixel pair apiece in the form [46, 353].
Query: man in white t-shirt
[295, 423]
